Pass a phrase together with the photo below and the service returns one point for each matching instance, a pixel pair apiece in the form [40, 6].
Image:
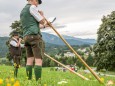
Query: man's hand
[42, 26]
[47, 26]
[20, 39]
[43, 22]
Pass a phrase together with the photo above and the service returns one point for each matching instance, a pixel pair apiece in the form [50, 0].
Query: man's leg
[38, 68]
[18, 61]
[38, 54]
[29, 66]
[16, 65]
[29, 62]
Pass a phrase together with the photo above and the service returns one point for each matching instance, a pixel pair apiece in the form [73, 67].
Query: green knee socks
[15, 72]
[37, 71]
[29, 71]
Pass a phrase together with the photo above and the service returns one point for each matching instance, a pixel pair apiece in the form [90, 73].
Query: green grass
[49, 78]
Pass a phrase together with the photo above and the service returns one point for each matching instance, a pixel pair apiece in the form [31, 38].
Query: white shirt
[34, 13]
[14, 43]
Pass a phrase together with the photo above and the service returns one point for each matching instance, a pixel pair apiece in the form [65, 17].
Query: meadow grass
[49, 78]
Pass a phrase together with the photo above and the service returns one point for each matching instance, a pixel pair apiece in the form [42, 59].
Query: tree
[104, 49]
[80, 64]
[90, 60]
[52, 63]
[16, 26]
[70, 61]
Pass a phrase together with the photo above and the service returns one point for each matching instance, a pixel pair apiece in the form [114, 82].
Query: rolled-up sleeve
[34, 13]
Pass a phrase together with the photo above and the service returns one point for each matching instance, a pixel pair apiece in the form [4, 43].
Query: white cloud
[4, 30]
[87, 29]
[82, 17]
[5, 17]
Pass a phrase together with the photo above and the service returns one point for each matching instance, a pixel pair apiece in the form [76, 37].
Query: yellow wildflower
[7, 80]
[8, 84]
[90, 76]
[102, 79]
[1, 81]
[45, 84]
[17, 83]
[19, 66]
[15, 64]
[12, 79]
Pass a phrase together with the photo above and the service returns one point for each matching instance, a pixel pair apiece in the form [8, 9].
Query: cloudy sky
[78, 18]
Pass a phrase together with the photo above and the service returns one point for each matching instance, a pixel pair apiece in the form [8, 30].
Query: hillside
[51, 41]
[3, 47]
[49, 38]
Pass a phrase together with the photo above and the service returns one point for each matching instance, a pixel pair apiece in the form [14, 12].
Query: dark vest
[15, 51]
[28, 22]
